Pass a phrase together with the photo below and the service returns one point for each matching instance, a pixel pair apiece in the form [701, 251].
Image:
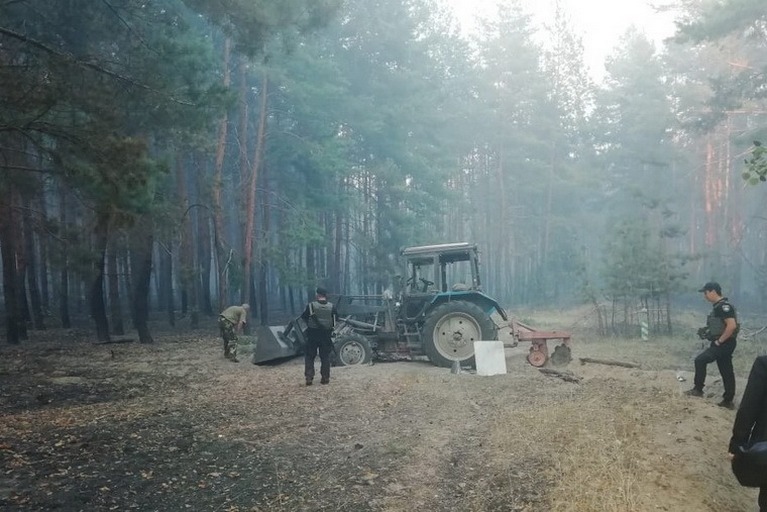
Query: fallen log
[585, 360]
[565, 376]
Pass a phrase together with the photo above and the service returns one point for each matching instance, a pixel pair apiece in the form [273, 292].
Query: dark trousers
[722, 354]
[763, 499]
[317, 340]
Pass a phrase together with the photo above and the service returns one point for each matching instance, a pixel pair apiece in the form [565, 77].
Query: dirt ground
[173, 427]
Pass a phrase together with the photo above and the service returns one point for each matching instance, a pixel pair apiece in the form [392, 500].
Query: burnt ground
[173, 426]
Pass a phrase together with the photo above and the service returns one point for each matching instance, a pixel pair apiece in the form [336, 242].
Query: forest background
[178, 156]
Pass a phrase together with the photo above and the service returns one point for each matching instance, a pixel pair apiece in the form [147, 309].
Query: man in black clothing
[751, 420]
[721, 330]
[320, 317]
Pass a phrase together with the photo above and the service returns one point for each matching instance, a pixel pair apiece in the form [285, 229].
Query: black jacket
[751, 420]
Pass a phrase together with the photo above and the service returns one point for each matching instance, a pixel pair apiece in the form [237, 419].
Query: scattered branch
[114, 341]
[585, 360]
[565, 376]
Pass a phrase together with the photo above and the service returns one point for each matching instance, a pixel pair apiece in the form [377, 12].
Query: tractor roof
[459, 250]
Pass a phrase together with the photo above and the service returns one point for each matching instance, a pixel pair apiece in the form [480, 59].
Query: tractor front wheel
[351, 349]
[451, 329]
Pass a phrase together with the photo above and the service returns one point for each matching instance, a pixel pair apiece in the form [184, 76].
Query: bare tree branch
[89, 65]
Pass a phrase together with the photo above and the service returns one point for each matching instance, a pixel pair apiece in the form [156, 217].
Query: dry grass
[592, 453]
[617, 448]
[625, 439]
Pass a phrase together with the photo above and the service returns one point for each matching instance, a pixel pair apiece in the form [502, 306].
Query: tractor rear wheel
[451, 329]
[351, 349]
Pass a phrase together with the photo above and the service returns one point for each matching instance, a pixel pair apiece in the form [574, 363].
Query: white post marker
[644, 325]
[490, 357]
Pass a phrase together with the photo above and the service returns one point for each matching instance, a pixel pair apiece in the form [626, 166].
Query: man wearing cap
[320, 317]
[721, 330]
[230, 322]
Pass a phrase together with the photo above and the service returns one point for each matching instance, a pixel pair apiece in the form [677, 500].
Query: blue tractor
[437, 310]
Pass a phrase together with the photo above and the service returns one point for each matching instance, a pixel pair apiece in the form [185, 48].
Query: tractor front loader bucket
[277, 343]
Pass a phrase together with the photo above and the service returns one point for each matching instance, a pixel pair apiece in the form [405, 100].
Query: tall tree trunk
[502, 252]
[335, 269]
[96, 293]
[21, 267]
[66, 321]
[242, 143]
[367, 197]
[81, 287]
[141, 270]
[159, 276]
[190, 275]
[113, 281]
[166, 296]
[545, 289]
[311, 270]
[44, 255]
[123, 261]
[263, 301]
[346, 290]
[36, 309]
[250, 205]
[185, 270]
[204, 257]
[218, 181]
[712, 194]
[13, 318]
[170, 295]
[201, 251]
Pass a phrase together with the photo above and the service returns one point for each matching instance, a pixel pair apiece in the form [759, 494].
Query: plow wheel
[536, 357]
[561, 356]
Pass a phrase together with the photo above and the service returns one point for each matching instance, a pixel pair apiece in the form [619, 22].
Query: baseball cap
[711, 286]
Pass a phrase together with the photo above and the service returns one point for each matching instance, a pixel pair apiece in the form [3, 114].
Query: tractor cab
[442, 268]
[436, 273]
